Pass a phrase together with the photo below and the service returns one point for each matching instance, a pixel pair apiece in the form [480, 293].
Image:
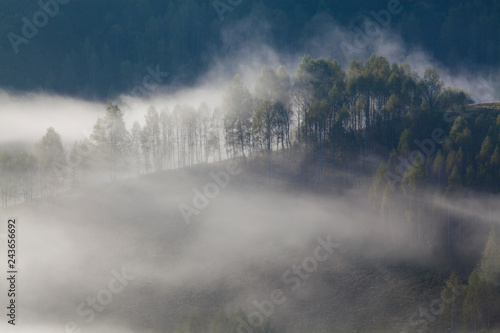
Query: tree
[275, 87]
[215, 134]
[405, 140]
[454, 180]
[490, 261]
[454, 159]
[480, 303]
[112, 138]
[135, 144]
[313, 82]
[237, 106]
[203, 115]
[284, 85]
[25, 168]
[190, 124]
[264, 123]
[495, 164]
[483, 160]
[379, 181]
[438, 166]
[431, 87]
[167, 139]
[266, 85]
[51, 159]
[486, 149]
[6, 177]
[152, 135]
[451, 297]
[283, 117]
[460, 135]
[413, 179]
[414, 175]
[470, 176]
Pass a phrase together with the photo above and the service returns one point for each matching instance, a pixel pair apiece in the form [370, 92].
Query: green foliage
[438, 164]
[379, 181]
[49, 150]
[470, 176]
[480, 308]
[490, 263]
[452, 299]
[415, 175]
[486, 149]
[460, 135]
[264, 122]
[475, 306]
[238, 108]
[405, 142]
[51, 161]
[18, 173]
[454, 180]
[495, 157]
[431, 87]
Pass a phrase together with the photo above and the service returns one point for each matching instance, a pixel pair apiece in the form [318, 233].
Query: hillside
[235, 251]
[231, 166]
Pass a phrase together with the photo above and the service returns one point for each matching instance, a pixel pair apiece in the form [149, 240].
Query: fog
[25, 117]
[236, 250]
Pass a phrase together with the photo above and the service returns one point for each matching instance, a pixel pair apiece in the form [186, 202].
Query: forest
[367, 134]
[95, 49]
[421, 144]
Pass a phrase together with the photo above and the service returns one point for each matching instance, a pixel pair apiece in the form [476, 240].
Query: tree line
[434, 147]
[471, 303]
[440, 156]
[335, 117]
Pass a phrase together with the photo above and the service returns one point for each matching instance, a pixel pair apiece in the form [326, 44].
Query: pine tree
[111, 138]
[51, 159]
[490, 262]
[451, 296]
